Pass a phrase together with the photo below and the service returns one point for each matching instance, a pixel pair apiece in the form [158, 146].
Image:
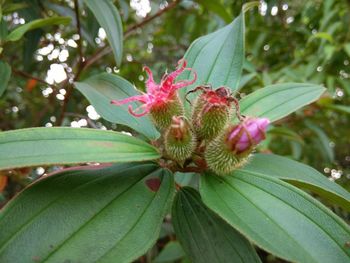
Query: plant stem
[80, 66]
[29, 76]
[106, 50]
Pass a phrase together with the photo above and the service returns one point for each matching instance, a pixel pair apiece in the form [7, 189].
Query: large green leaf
[5, 74]
[278, 217]
[101, 89]
[18, 33]
[44, 146]
[218, 57]
[108, 17]
[205, 236]
[105, 215]
[279, 100]
[297, 174]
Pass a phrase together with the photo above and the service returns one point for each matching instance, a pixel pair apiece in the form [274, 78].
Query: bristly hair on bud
[230, 150]
[161, 100]
[212, 111]
[179, 139]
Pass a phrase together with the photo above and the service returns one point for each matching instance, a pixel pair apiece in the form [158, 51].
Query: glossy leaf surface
[205, 236]
[109, 19]
[298, 174]
[46, 146]
[277, 101]
[101, 89]
[97, 215]
[278, 217]
[217, 58]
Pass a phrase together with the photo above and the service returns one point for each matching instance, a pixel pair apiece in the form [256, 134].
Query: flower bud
[162, 114]
[211, 113]
[179, 139]
[229, 150]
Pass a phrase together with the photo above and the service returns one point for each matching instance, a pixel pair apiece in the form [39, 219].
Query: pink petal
[185, 83]
[167, 83]
[133, 112]
[150, 83]
[140, 98]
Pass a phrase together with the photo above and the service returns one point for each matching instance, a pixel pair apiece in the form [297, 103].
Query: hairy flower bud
[162, 114]
[229, 150]
[179, 139]
[211, 112]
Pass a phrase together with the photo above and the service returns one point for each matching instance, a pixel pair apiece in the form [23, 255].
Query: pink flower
[247, 134]
[158, 94]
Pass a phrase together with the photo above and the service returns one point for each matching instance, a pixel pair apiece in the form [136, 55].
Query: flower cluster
[161, 100]
[209, 133]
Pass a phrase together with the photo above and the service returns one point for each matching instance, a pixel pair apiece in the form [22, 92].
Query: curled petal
[150, 84]
[185, 83]
[167, 82]
[140, 98]
[134, 112]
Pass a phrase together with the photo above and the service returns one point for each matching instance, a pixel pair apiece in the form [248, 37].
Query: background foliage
[286, 41]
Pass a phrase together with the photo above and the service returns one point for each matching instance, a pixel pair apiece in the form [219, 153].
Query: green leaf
[97, 215]
[217, 58]
[30, 46]
[170, 253]
[286, 133]
[340, 108]
[46, 146]
[5, 74]
[3, 32]
[245, 79]
[187, 179]
[65, 10]
[323, 142]
[18, 33]
[217, 8]
[278, 217]
[298, 174]
[205, 236]
[347, 49]
[101, 89]
[10, 8]
[277, 101]
[109, 19]
[321, 35]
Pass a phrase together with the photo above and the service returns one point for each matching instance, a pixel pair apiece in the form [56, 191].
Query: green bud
[220, 158]
[162, 114]
[230, 150]
[211, 113]
[179, 139]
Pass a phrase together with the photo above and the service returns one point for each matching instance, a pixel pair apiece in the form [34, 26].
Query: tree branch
[83, 65]
[80, 65]
[107, 49]
[28, 76]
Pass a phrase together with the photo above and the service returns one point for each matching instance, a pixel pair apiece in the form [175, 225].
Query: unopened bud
[162, 113]
[230, 150]
[211, 112]
[179, 139]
